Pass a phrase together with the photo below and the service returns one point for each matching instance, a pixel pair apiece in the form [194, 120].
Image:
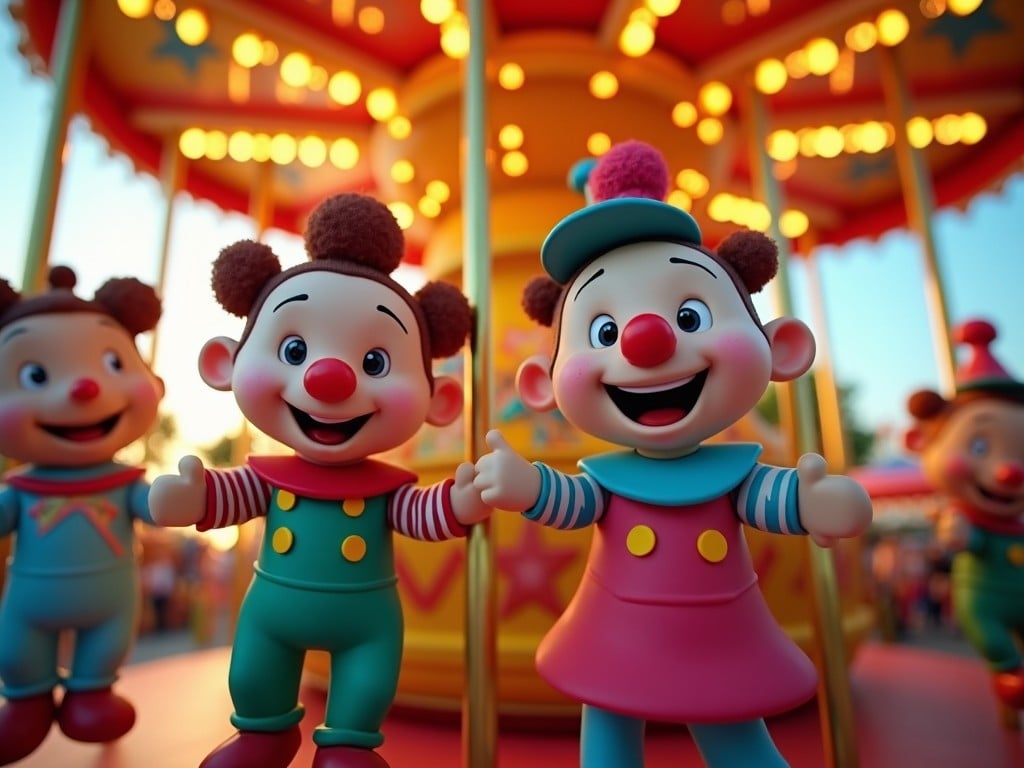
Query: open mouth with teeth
[995, 498]
[655, 407]
[83, 433]
[328, 432]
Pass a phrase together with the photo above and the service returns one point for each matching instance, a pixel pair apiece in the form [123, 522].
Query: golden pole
[917, 195]
[830, 414]
[67, 84]
[172, 171]
[479, 706]
[834, 699]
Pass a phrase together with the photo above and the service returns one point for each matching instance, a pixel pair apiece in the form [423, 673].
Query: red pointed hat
[981, 370]
[627, 186]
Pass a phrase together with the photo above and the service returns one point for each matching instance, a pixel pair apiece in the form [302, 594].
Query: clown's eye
[603, 331]
[376, 363]
[693, 316]
[978, 446]
[292, 351]
[32, 376]
[112, 362]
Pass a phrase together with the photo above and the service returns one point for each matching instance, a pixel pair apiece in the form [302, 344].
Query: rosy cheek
[255, 388]
[741, 353]
[957, 467]
[575, 377]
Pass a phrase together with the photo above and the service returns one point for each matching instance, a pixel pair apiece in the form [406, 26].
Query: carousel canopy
[315, 97]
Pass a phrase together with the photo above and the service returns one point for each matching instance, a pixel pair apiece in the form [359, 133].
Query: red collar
[23, 480]
[993, 523]
[321, 481]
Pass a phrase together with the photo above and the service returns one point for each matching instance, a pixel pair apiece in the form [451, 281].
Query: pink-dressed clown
[658, 348]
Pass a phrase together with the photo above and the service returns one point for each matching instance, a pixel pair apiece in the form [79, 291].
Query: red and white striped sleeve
[425, 513]
[233, 496]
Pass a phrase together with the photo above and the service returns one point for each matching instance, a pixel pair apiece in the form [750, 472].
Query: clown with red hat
[972, 450]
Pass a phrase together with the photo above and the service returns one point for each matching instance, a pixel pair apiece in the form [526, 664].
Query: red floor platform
[914, 709]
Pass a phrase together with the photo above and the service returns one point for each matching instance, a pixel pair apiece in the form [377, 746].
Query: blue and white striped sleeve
[566, 501]
[767, 500]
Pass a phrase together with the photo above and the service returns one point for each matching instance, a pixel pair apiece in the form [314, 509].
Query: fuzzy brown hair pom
[448, 316]
[752, 255]
[62, 277]
[926, 404]
[240, 272]
[355, 228]
[540, 297]
[8, 296]
[132, 303]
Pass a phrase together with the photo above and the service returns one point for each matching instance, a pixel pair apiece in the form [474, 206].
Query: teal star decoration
[961, 30]
[863, 167]
[189, 56]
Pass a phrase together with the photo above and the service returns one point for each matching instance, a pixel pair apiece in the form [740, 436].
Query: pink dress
[668, 622]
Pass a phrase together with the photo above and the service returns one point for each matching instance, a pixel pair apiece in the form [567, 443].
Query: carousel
[815, 122]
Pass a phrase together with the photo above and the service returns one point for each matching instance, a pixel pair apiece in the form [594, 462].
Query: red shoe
[348, 757]
[1010, 687]
[95, 716]
[24, 723]
[267, 749]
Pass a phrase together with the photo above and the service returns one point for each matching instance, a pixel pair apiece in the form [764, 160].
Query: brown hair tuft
[355, 228]
[240, 272]
[449, 318]
[753, 256]
[540, 298]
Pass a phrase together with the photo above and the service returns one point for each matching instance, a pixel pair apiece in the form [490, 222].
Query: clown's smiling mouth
[85, 432]
[995, 497]
[328, 432]
[658, 407]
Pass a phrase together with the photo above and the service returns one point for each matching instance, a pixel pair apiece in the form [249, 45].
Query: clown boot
[267, 749]
[348, 757]
[95, 716]
[1010, 687]
[24, 724]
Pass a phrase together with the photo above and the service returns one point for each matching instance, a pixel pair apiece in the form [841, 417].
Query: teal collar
[706, 474]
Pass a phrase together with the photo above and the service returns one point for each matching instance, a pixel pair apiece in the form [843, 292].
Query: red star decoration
[531, 570]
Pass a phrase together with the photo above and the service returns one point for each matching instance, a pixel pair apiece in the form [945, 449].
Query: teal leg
[737, 745]
[610, 740]
[263, 678]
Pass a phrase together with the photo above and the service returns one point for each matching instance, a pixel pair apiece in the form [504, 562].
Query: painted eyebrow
[680, 260]
[386, 311]
[16, 331]
[592, 278]
[296, 297]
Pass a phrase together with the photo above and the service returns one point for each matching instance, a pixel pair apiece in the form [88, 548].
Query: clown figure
[972, 451]
[657, 349]
[335, 363]
[74, 391]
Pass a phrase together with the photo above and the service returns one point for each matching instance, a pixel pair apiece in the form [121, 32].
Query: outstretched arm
[832, 507]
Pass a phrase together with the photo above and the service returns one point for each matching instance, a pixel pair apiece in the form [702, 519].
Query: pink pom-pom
[630, 169]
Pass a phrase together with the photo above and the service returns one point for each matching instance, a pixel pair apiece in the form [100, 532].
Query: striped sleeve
[566, 501]
[425, 513]
[767, 500]
[233, 496]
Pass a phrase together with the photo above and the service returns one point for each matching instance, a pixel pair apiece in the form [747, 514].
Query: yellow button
[285, 500]
[282, 540]
[712, 546]
[353, 548]
[1015, 554]
[640, 540]
[353, 507]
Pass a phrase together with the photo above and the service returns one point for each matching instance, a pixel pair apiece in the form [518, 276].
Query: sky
[876, 328]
